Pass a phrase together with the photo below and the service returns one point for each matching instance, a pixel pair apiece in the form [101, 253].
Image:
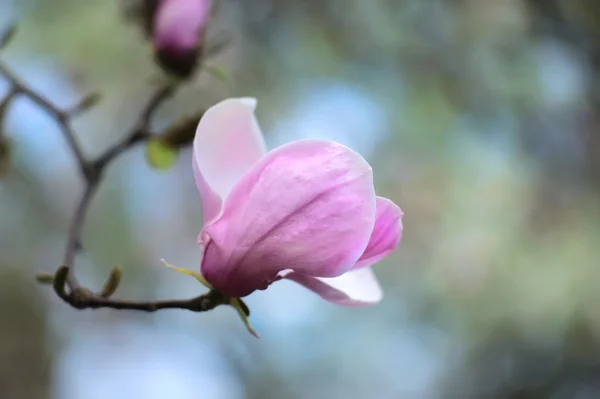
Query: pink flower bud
[178, 34]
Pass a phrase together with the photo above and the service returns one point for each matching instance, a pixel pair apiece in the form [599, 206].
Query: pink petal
[308, 206]
[354, 288]
[228, 143]
[386, 233]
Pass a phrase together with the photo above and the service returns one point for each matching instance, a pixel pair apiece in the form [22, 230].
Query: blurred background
[480, 118]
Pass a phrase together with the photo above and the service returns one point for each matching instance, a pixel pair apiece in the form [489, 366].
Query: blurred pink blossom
[178, 33]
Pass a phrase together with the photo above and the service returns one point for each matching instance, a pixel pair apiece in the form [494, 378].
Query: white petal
[227, 144]
[357, 287]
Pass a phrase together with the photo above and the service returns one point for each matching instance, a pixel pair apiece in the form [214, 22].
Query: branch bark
[64, 280]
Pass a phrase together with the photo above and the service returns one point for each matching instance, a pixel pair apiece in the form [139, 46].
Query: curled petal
[227, 144]
[308, 206]
[355, 288]
[386, 233]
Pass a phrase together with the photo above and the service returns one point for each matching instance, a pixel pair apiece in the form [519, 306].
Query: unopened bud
[60, 281]
[178, 34]
[112, 283]
[45, 278]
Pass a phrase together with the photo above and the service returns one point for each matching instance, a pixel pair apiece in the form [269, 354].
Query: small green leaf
[241, 309]
[220, 74]
[112, 283]
[160, 156]
[196, 275]
[45, 278]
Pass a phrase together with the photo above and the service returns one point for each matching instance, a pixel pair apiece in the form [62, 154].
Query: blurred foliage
[490, 146]
[25, 370]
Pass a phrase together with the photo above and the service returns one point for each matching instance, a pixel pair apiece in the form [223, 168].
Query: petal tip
[245, 103]
[248, 102]
[357, 288]
[377, 297]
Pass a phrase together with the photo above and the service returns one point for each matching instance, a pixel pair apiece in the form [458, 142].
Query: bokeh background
[480, 118]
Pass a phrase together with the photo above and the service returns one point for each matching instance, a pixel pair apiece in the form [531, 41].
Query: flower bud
[178, 32]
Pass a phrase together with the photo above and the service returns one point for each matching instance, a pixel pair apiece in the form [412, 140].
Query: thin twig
[139, 133]
[85, 299]
[201, 303]
[73, 242]
[78, 296]
[61, 117]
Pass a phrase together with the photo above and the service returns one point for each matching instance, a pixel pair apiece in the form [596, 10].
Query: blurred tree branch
[64, 281]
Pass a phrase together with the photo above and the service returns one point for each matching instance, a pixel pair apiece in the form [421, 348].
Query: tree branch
[64, 280]
[139, 133]
[61, 117]
[83, 298]
[75, 231]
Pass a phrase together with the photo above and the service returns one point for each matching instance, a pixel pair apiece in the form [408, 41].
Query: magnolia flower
[305, 211]
[178, 33]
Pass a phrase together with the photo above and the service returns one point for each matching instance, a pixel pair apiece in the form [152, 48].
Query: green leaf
[221, 75]
[236, 303]
[111, 285]
[160, 156]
